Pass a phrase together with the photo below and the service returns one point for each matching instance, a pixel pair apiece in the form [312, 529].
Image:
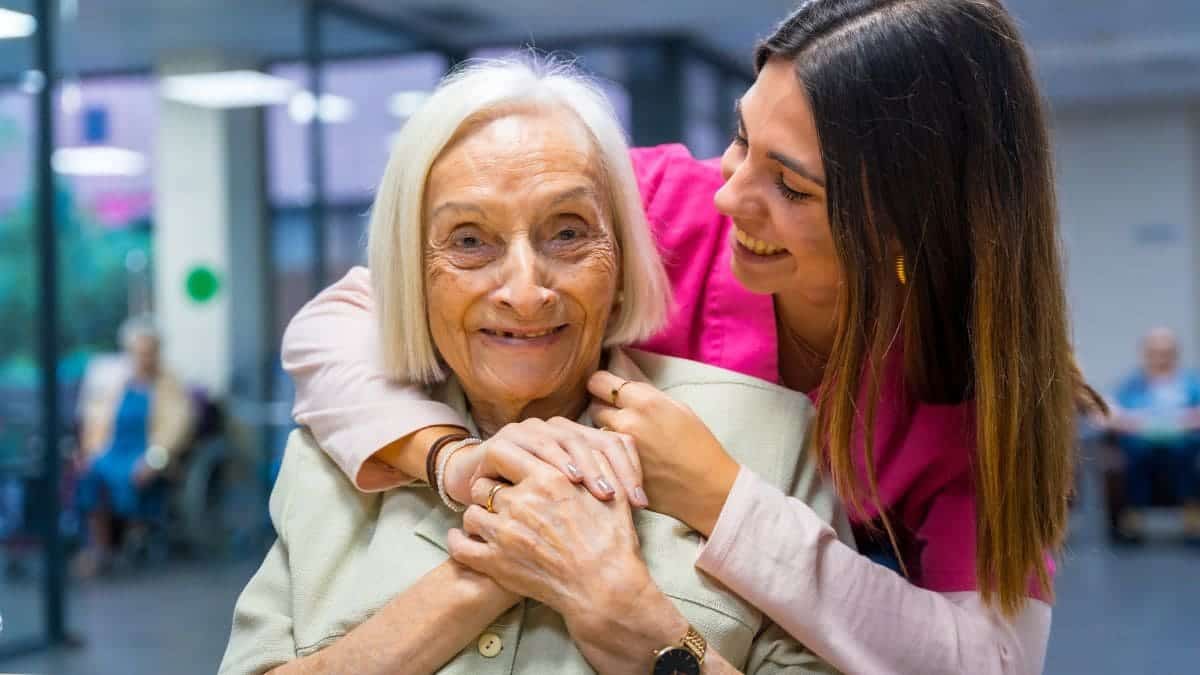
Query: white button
[490, 645]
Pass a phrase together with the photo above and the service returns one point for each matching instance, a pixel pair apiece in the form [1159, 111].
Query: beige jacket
[343, 554]
[170, 424]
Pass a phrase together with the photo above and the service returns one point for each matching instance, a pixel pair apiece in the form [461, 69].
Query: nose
[523, 289]
[738, 198]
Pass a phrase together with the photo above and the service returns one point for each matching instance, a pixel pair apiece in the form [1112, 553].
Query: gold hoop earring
[901, 273]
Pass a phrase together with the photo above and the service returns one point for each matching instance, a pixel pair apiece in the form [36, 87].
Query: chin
[526, 385]
[766, 284]
[530, 388]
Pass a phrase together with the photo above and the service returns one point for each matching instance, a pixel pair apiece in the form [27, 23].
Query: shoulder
[670, 372]
[308, 471]
[672, 180]
[304, 460]
[763, 425]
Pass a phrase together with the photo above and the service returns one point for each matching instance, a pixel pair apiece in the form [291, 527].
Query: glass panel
[292, 255]
[347, 232]
[107, 209]
[288, 178]
[366, 104]
[346, 37]
[608, 65]
[21, 464]
[703, 133]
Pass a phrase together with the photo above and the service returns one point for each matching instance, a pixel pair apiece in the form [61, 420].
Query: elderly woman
[510, 249]
[130, 434]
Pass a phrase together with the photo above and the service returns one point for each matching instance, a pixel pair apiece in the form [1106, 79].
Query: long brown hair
[935, 149]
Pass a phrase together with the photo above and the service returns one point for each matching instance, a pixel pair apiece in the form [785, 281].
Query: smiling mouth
[757, 246]
[523, 334]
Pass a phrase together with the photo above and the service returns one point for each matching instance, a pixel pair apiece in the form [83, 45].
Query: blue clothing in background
[1161, 405]
[110, 478]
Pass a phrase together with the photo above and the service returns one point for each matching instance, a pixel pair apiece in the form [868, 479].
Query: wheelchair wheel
[201, 512]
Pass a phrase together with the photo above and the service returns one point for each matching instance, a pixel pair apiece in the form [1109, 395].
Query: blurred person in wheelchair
[1155, 422]
[133, 425]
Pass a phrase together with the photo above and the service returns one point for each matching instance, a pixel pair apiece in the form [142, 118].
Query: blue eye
[568, 234]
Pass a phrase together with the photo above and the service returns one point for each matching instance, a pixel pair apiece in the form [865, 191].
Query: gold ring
[492, 496]
[616, 392]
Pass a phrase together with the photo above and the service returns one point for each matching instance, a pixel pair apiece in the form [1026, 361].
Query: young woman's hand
[686, 472]
[575, 450]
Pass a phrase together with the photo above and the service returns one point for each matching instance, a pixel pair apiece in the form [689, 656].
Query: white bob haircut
[478, 91]
[137, 327]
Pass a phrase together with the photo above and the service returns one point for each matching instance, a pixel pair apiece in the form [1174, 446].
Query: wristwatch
[684, 658]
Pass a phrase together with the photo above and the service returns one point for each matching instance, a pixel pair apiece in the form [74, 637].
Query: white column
[209, 215]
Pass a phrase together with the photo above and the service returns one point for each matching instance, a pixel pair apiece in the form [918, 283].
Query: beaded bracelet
[443, 461]
[434, 449]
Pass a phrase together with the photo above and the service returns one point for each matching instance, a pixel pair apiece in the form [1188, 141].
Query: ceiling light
[98, 160]
[404, 103]
[334, 109]
[16, 25]
[228, 89]
[32, 82]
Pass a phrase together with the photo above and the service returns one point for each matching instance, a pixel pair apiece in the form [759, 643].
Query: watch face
[677, 661]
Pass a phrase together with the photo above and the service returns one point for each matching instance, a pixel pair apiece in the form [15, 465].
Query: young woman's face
[775, 193]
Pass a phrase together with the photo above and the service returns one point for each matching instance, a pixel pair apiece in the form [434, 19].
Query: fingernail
[604, 486]
[574, 471]
[640, 495]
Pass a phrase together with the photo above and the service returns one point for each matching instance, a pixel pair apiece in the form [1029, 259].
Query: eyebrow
[455, 206]
[572, 194]
[794, 165]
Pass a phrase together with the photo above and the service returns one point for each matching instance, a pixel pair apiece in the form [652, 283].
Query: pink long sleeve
[860, 616]
[331, 351]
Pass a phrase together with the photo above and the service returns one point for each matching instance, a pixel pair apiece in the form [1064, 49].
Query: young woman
[887, 207]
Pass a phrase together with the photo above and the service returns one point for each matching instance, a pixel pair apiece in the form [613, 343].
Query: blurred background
[210, 163]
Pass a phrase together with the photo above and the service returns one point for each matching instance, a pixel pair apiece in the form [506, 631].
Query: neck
[805, 336]
[491, 415]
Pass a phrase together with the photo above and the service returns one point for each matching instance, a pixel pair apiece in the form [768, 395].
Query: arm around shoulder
[331, 351]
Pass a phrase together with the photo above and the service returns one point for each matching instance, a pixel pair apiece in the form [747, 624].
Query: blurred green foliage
[93, 285]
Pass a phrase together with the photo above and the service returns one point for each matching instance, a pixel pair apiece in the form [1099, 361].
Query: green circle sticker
[202, 284]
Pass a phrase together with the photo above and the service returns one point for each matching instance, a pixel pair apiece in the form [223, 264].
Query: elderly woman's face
[521, 258]
[143, 350]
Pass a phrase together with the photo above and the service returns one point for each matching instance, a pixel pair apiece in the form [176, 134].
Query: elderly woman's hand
[549, 540]
[580, 453]
[686, 472]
